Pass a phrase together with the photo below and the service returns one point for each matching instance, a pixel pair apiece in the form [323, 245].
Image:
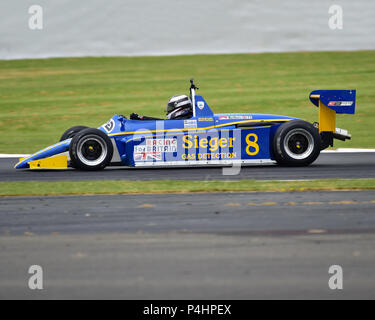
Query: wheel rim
[92, 150]
[299, 144]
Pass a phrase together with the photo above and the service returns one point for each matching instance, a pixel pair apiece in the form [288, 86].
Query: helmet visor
[170, 107]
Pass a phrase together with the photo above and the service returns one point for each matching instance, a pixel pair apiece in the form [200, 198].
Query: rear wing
[331, 102]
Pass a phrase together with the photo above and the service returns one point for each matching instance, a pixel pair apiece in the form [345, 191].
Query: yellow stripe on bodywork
[198, 129]
[55, 162]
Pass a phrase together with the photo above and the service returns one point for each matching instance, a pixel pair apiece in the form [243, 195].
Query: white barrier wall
[169, 27]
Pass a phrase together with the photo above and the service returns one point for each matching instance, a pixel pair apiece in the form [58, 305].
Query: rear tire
[296, 143]
[90, 149]
[71, 132]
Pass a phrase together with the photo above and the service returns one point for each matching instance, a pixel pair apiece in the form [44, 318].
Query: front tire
[90, 149]
[71, 132]
[296, 143]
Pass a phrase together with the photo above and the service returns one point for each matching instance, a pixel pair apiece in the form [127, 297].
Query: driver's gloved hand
[135, 116]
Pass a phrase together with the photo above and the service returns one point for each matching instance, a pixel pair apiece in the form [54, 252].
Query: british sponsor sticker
[144, 156]
[340, 103]
[157, 146]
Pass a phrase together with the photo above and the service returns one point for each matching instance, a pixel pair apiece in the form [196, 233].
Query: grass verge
[34, 188]
[41, 98]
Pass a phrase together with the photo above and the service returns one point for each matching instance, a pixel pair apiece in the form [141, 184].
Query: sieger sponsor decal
[213, 144]
[210, 156]
[210, 144]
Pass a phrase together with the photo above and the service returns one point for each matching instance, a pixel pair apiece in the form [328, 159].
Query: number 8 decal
[252, 144]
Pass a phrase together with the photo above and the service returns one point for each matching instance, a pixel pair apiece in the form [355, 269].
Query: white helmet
[179, 107]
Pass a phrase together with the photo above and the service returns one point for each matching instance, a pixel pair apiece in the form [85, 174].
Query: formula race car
[203, 139]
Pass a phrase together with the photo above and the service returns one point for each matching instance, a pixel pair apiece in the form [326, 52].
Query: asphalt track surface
[328, 165]
[189, 246]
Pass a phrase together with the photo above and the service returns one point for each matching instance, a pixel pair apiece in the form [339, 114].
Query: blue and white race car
[203, 139]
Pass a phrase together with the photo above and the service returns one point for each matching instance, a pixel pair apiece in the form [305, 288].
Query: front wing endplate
[55, 162]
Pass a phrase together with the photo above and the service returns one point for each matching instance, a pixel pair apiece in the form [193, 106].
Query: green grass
[39, 99]
[175, 186]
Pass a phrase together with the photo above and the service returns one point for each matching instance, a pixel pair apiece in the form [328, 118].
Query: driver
[178, 108]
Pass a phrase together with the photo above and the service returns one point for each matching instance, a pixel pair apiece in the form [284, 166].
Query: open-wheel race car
[204, 138]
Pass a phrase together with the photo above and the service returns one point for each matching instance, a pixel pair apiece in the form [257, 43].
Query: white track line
[5, 155]
[348, 150]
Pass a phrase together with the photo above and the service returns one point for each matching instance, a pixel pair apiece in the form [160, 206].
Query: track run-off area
[189, 246]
